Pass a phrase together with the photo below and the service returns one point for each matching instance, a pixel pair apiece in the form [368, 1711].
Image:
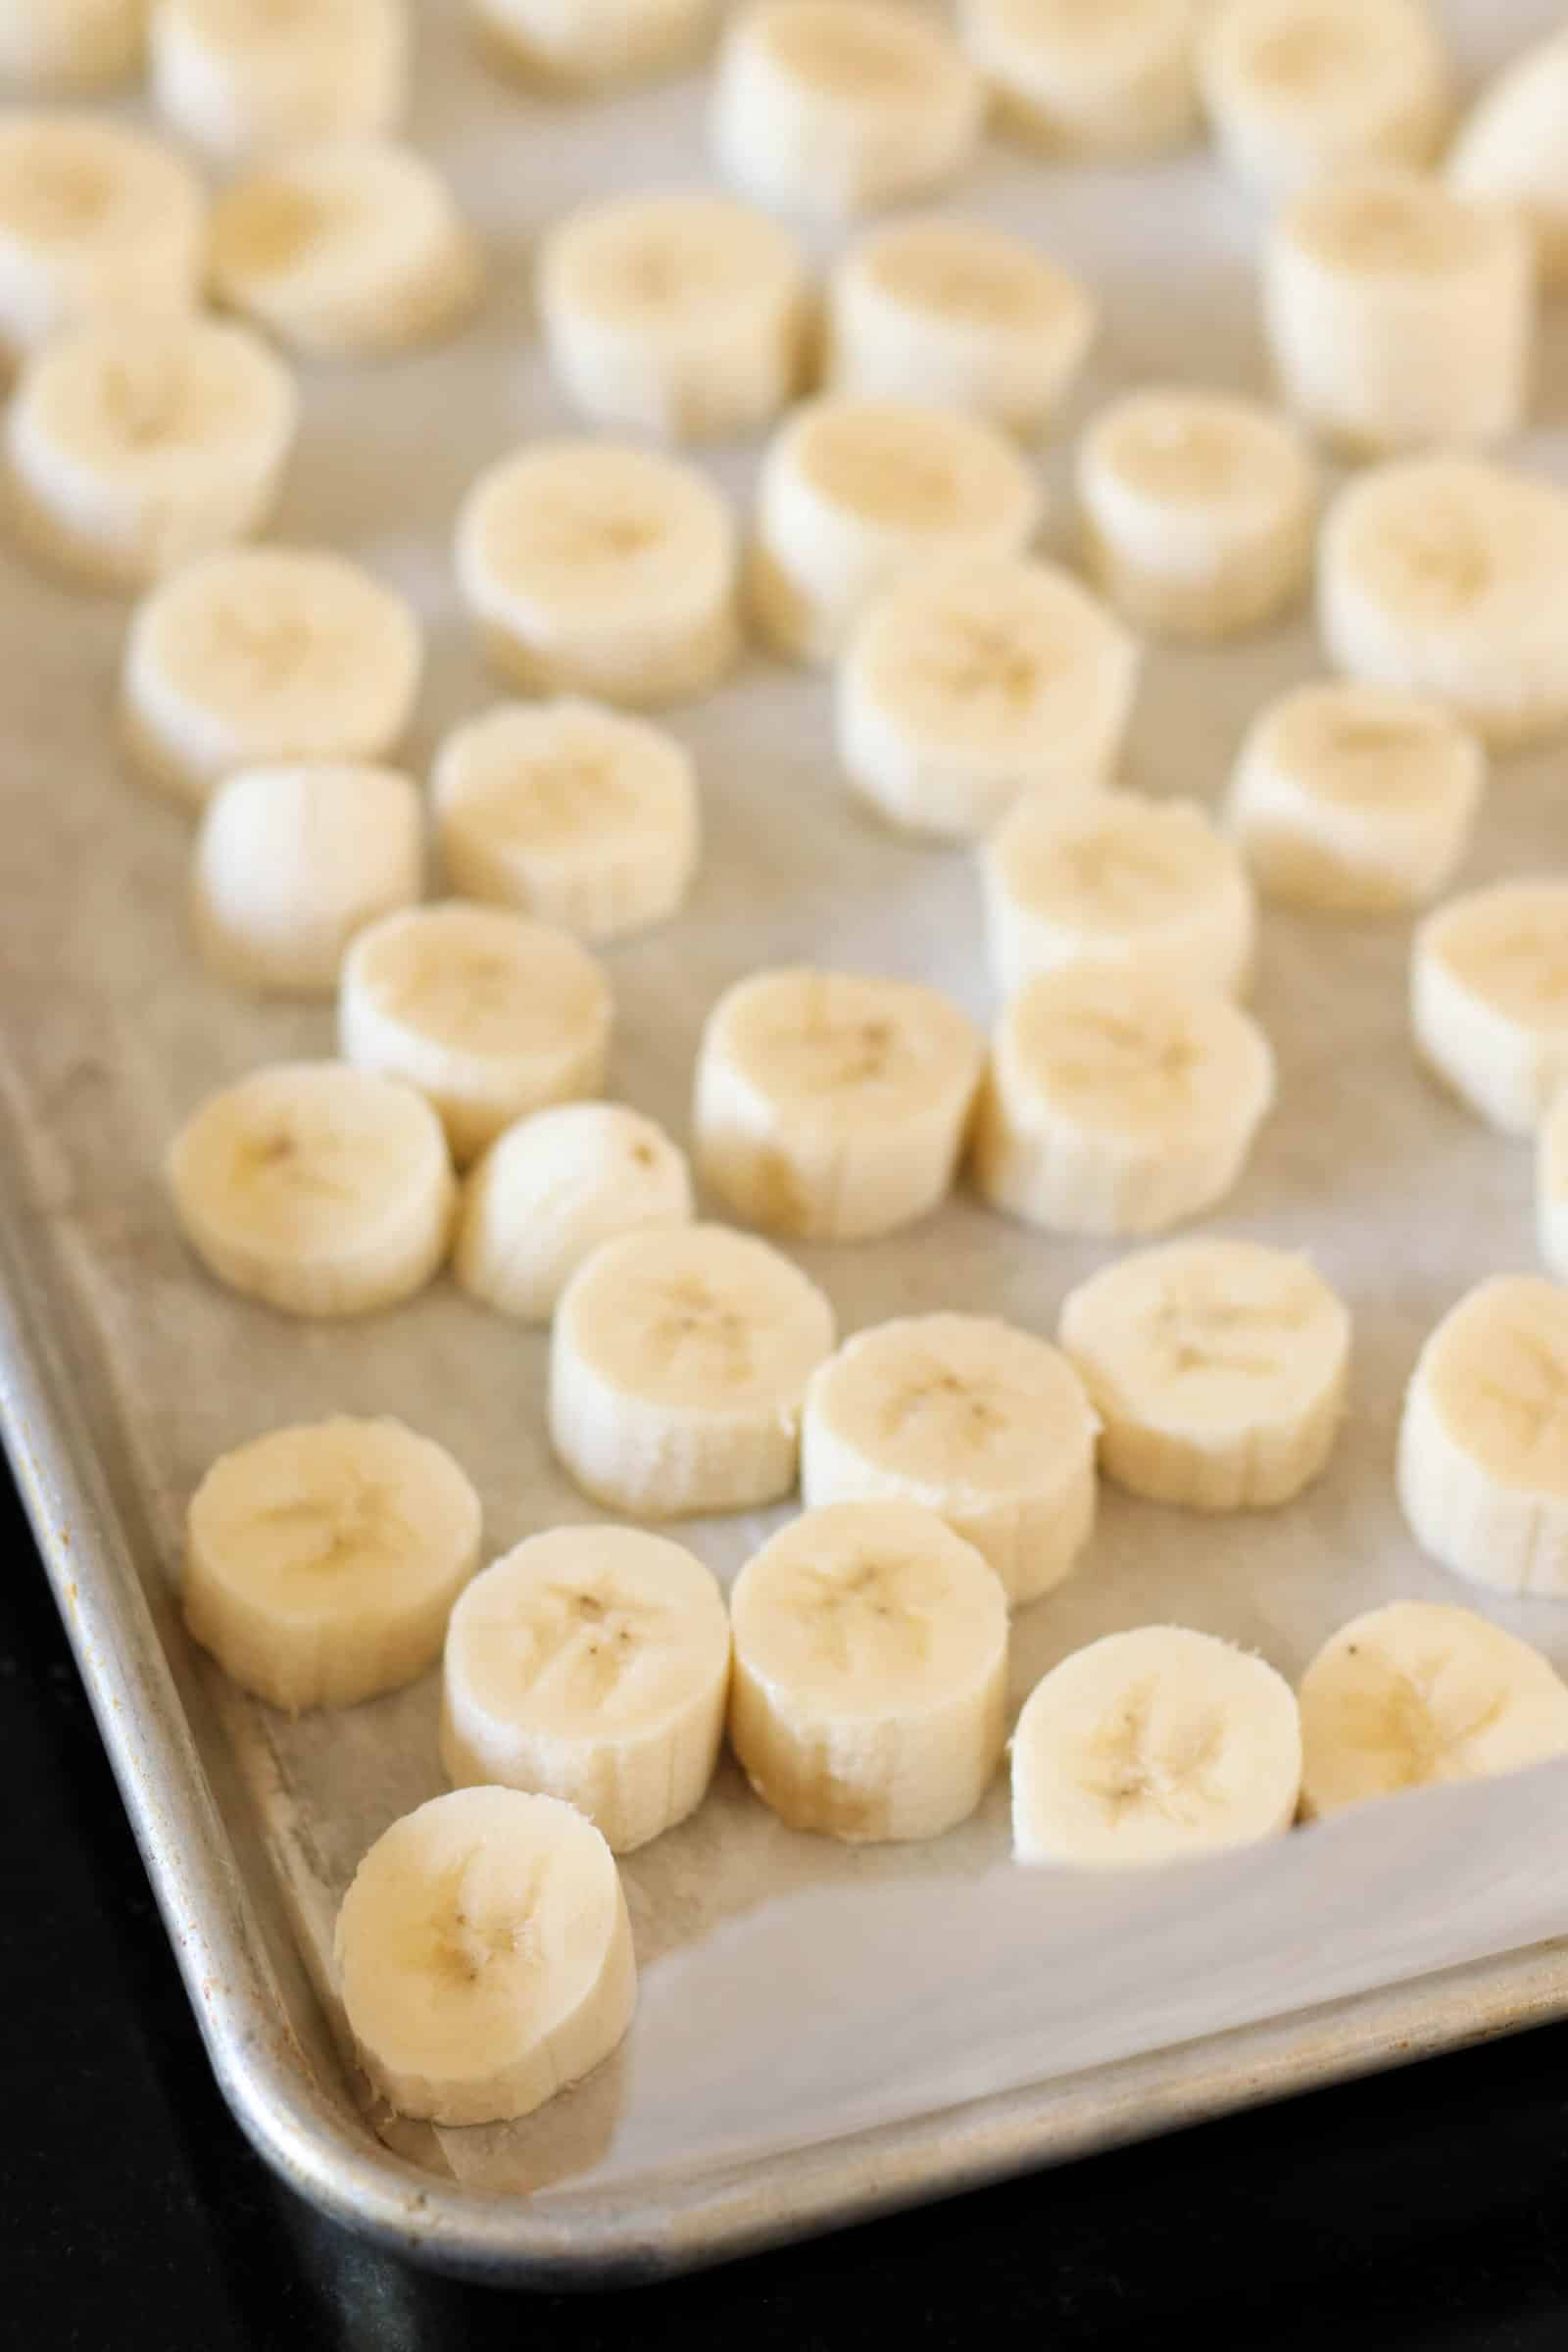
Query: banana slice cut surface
[1300, 89]
[1489, 999]
[1087, 78]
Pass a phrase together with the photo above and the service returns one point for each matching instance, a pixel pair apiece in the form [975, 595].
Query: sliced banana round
[243, 77]
[594, 568]
[678, 1363]
[93, 215]
[353, 248]
[1513, 148]
[839, 106]
[53, 48]
[1483, 1461]
[133, 446]
[1119, 1100]
[1114, 79]
[832, 1106]
[853, 493]
[321, 1562]
[981, 1423]
[1551, 1189]
[974, 679]
[551, 1188]
[1110, 877]
[486, 1014]
[1449, 576]
[682, 314]
[962, 315]
[1152, 1746]
[259, 655]
[1218, 1370]
[1415, 1694]
[322, 1190]
[1299, 89]
[1399, 314]
[1489, 998]
[1352, 800]
[592, 1664]
[485, 1956]
[1198, 511]
[870, 1669]
[592, 41]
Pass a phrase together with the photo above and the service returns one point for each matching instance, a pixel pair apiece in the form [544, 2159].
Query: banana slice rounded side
[551, 1188]
[1489, 998]
[974, 680]
[985, 1425]
[1119, 1100]
[56, 48]
[321, 1562]
[1299, 89]
[1218, 1370]
[593, 41]
[1154, 1746]
[1513, 148]
[485, 1956]
[678, 1364]
[832, 1106]
[322, 1190]
[869, 1680]
[1114, 79]
[592, 1664]
[242, 78]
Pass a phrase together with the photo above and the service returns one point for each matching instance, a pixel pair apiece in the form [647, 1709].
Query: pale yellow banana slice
[832, 1106]
[870, 1670]
[1152, 1746]
[1299, 89]
[589, 43]
[487, 1014]
[1218, 1370]
[53, 48]
[484, 1955]
[245, 77]
[1119, 1100]
[1087, 78]
[974, 680]
[678, 1363]
[322, 1190]
[1551, 1189]
[568, 811]
[1513, 147]
[1352, 800]
[321, 1562]
[985, 1425]
[592, 1664]
[551, 1188]
[1198, 511]
[1489, 998]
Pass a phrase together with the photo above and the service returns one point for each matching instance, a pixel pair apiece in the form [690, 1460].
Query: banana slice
[1483, 1461]
[1489, 999]
[290, 862]
[594, 568]
[131, 448]
[1399, 314]
[591, 1664]
[243, 77]
[1087, 78]
[485, 1956]
[840, 105]
[53, 48]
[1113, 878]
[1299, 89]
[678, 1363]
[266, 654]
[870, 1672]
[321, 1562]
[322, 1190]
[1198, 511]
[551, 1188]
[1413, 1694]
[354, 247]
[832, 1106]
[1218, 1370]
[959, 315]
[1119, 1100]
[1349, 799]
[985, 1425]
[487, 1014]
[1154, 1746]
[683, 315]
[974, 679]
[1514, 149]
[853, 493]
[592, 41]
[1448, 576]
[94, 215]
[1551, 1189]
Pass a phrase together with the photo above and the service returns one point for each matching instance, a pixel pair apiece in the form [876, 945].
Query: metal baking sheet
[822, 2031]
